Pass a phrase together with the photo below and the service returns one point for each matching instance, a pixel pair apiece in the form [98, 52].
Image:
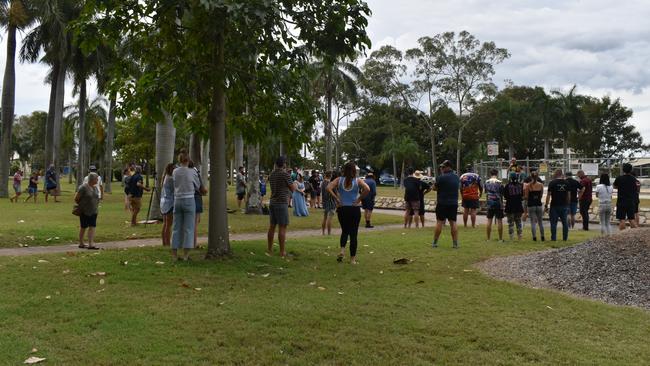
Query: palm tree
[331, 78]
[165, 143]
[572, 118]
[14, 15]
[404, 149]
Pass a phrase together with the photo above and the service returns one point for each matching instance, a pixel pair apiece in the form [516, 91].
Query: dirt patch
[613, 269]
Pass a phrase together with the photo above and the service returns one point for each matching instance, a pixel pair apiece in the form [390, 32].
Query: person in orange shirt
[470, 190]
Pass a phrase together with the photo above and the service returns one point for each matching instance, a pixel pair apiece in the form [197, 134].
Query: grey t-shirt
[88, 200]
[241, 183]
[186, 182]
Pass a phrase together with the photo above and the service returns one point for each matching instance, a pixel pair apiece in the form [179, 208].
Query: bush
[117, 174]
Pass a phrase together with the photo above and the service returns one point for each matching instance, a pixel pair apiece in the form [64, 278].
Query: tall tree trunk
[110, 137]
[83, 146]
[205, 162]
[394, 171]
[58, 120]
[165, 143]
[8, 104]
[70, 166]
[565, 154]
[218, 237]
[254, 202]
[195, 150]
[282, 150]
[49, 124]
[401, 174]
[434, 158]
[239, 150]
[460, 145]
[546, 150]
[511, 150]
[328, 134]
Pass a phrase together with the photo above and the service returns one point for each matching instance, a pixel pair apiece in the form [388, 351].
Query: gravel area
[613, 269]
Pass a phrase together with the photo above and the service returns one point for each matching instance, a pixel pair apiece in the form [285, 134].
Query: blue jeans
[184, 220]
[555, 213]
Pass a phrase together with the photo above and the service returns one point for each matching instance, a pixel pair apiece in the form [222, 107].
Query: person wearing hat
[447, 186]
[426, 188]
[412, 187]
[368, 203]
[281, 188]
[314, 194]
[575, 190]
[471, 190]
[99, 187]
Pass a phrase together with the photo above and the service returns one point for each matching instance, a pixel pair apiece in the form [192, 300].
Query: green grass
[22, 221]
[437, 310]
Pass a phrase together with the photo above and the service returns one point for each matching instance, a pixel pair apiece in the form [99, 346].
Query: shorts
[136, 203]
[329, 212]
[279, 214]
[471, 204]
[573, 208]
[32, 190]
[446, 212]
[368, 205]
[17, 188]
[240, 196]
[625, 210]
[421, 212]
[87, 221]
[493, 212]
[50, 187]
[411, 206]
[198, 203]
[313, 194]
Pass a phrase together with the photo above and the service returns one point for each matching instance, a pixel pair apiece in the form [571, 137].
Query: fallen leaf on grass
[48, 297]
[66, 271]
[34, 350]
[102, 290]
[251, 274]
[549, 307]
[402, 261]
[266, 275]
[70, 254]
[198, 289]
[467, 270]
[221, 303]
[341, 292]
[381, 272]
[101, 274]
[252, 253]
[124, 263]
[43, 261]
[21, 221]
[159, 262]
[32, 360]
[185, 285]
[102, 282]
[366, 245]
[321, 288]
[371, 252]
[312, 283]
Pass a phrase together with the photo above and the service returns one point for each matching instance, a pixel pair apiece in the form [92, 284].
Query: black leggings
[349, 218]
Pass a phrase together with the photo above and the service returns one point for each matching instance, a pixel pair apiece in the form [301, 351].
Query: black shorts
[368, 204]
[446, 212]
[472, 204]
[625, 211]
[279, 214]
[87, 221]
[493, 212]
[313, 194]
[240, 196]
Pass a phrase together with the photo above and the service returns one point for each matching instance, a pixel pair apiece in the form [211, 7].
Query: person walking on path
[51, 183]
[604, 192]
[560, 197]
[412, 187]
[533, 192]
[329, 204]
[368, 203]
[186, 183]
[281, 188]
[314, 194]
[494, 195]
[585, 198]
[471, 190]
[513, 193]
[136, 190]
[447, 186]
[18, 182]
[167, 204]
[350, 191]
[87, 199]
[626, 203]
[575, 188]
[240, 186]
[299, 202]
[32, 189]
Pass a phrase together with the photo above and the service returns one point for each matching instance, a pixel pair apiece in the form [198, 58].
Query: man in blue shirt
[447, 186]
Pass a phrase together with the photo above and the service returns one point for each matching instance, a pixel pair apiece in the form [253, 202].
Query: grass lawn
[259, 310]
[23, 221]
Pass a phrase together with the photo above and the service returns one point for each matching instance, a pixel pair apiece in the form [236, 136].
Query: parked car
[387, 179]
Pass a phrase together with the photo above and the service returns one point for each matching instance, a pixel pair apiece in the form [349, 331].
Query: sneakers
[434, 245]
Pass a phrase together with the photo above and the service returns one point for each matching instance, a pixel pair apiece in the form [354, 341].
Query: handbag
[76, 210]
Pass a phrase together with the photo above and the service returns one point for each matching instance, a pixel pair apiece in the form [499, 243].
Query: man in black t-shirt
[559, 195]
[628, 192]
[574, 191]
[412, 187]
[136, 190]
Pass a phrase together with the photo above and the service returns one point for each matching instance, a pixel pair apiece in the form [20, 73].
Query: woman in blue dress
[299, 203]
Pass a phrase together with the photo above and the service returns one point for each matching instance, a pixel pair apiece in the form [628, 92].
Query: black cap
[92, 168]
[280, 161]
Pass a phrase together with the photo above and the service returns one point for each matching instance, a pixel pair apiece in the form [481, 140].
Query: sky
[600, 46]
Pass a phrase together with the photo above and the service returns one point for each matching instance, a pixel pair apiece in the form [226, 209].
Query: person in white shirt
[99, 187]
[604, 193]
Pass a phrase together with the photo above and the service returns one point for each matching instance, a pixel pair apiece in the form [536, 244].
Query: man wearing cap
[368, 202]
[447, 187]
[471, 190]
[99, 187]
[412, 187]
[281, 188]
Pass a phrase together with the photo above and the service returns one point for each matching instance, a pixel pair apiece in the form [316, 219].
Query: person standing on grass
[637, 199]
[447, 186]
[424, 189]
[198, 203]
[574, 191]
[281, 188]
[350, 191]
[100, 185]
[533, 192]
[494, 194]
[262, 189]
[32, 189]
[329, 204]
[87, 197]
[299, 202]
[51, 183]
[368, 203]
[18, 182]
[126, 177]
[412, 187]
[604, 192]
[471, 190]
[314, 194]
[167, 204]
[186, 183]
[585, 198]
[514, 195]
[626, 203]
[136, 190]
[560, 197]
[240, 186]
